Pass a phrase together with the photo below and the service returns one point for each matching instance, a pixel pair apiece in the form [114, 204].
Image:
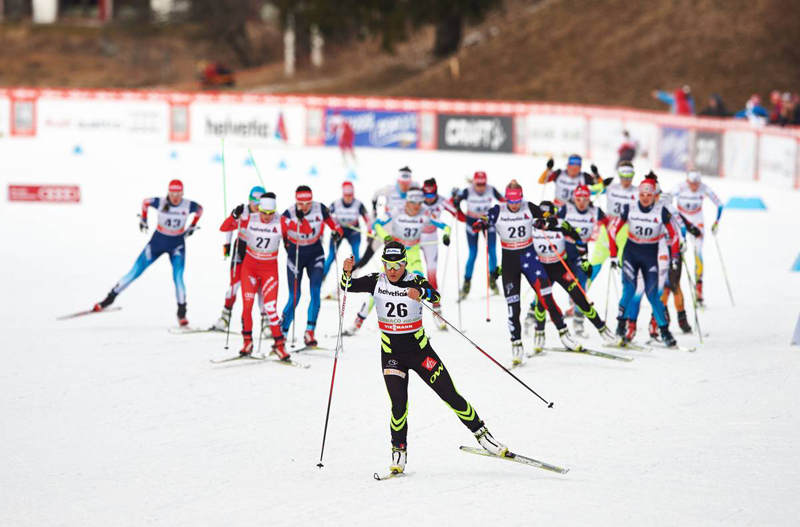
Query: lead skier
[405, 347]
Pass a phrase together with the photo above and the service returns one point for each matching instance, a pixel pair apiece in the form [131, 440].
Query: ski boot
[538, 341]
[610, 338]
[630, 333]
[493, 281]
[489, 443]
[683, 322]
[699, 291]
[440, 323]
[222, 322]
[621, 328]
[247, 349]
[667, 338]
[399, 456]
[517, 352]
[279, 349]
[653, 327]
[354, 328]
[309, 339]
[106, 302]
[568, 341]
[577, 325]
[465, 289]
[182, 321]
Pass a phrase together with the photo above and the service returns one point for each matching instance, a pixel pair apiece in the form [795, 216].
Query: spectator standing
[680, 100]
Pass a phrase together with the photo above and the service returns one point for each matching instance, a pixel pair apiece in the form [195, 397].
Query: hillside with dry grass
[609, 52]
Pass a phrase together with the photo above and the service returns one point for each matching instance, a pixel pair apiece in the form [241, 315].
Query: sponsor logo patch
[392, 371]
[429, 363]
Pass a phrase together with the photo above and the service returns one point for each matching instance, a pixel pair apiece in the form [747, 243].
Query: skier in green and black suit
[405, 347]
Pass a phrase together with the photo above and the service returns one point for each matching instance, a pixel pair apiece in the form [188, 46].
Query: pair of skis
[261, 358]
[510, 456]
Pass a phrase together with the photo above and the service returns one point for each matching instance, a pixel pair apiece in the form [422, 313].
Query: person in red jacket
[260, 268]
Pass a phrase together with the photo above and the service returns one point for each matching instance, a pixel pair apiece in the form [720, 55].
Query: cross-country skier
[514, 221]
[435, 205]
[689, 197]
[479, 197]
[347, 210]
[263, 235]
[586, 219]
[405, 347]
[169, 237]
[407, 226]
[239, 251]
[647, 221]
[550, 243]
[302, 226]
[568, 180]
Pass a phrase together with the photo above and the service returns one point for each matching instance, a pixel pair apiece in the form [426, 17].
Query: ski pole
[458, 281]
[724, 272]
[608, 291]
[258, 173]
[694, 298]
[294, 295]
[367, 234]
[549, 404]
[233, 283]
[339, 343]
[447, 257]
[488, 276]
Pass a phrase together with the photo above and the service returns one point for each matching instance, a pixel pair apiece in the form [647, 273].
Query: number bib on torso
[549, 245]
[347, 214]
[645, 227]
[584, 222]
[435, 211]
[689, 202]
[479, 204]
[263, 239]
[396, 312]
[314, 218]
[173, 221]
[617, 197]
[515, 228]
[408, 229]
[565, 186]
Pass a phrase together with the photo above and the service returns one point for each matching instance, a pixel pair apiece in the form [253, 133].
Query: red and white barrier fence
[717, 147]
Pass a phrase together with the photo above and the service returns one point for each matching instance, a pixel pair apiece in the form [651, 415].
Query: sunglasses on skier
[393, 266]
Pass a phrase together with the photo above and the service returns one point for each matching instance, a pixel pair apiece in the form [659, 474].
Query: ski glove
[190, 230]
[226, 250]
[550, 164]
[594, 171]
[614, 263]
[479, 226]
[237, 212]
[143, 224]
[715, 227]
[586, 267]
[446, 240]
[673, 264]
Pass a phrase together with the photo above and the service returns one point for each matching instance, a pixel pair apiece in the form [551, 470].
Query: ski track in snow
[111, 420]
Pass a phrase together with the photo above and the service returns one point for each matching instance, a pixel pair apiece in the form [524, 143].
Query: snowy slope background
[111, 420]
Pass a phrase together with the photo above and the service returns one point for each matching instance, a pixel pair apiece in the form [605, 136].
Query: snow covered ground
[111, 420]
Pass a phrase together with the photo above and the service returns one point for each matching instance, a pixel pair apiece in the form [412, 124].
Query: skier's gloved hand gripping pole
[347, 267]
